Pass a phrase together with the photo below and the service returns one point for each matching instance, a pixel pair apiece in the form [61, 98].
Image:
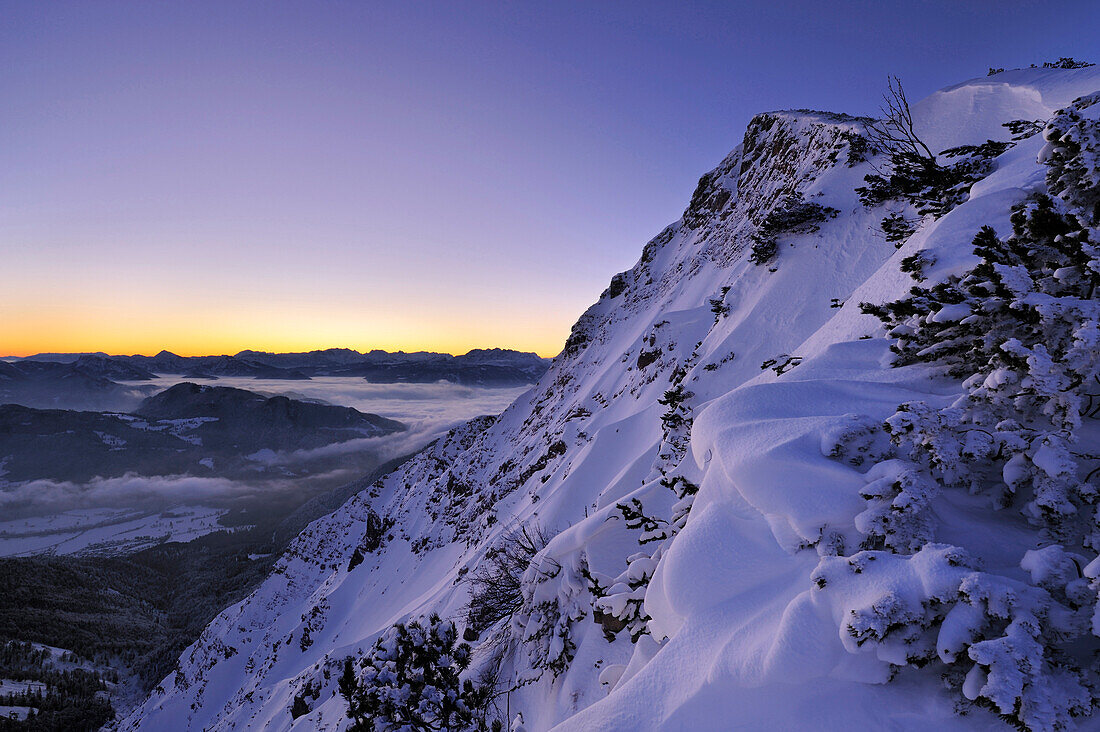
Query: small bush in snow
[781, 364]
[619, 603]
[859, 148]
[793, 215]
[931, 187]
[652, 528]
[718, 305]
[1001, 641]
[411, 681]
[556, 595]
[621, 607]
[1067, 62]
[897, 228]
[1021, 129]
[1072, 154]
[914, 264]
[899, 516]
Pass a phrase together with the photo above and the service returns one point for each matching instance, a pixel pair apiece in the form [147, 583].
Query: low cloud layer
[150, 492]
[440, 402]
[428, 410]
[382, 448]
[39, 496]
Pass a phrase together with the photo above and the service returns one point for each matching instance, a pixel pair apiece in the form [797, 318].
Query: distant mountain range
[85, 382]
[479, 367]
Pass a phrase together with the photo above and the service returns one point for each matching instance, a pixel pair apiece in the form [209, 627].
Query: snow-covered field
[17, 713]
[735, 540]
[13, 686]
[105, 530]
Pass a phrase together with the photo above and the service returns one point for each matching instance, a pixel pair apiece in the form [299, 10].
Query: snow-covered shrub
[859, 147]
[411, 681]
[792, 216]
[781, 364]
[914, 264]
[674, 417]
[930, 186]
[1067, 62]
[1022, 330]
[675, 421]
[1021, 129]
[718, 304]
[1005, 644]
[898, 516]
[556, 594]
[621, 605]
[624, 599]
[896, 227]
[913, 169]
[1072, 154]
[964, 321]
[855, 439]
[653, 528]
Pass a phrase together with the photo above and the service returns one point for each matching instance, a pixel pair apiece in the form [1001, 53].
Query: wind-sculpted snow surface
[735, 539]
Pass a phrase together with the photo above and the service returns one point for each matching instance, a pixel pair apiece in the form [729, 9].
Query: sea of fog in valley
[433, 406]
[116, 514]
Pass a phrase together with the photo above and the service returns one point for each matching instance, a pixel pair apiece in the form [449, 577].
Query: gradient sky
[212, 176]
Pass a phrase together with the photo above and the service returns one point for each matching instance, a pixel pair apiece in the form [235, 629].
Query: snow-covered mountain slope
[706, 457]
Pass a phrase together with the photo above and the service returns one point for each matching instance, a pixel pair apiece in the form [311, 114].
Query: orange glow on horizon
[79, 300]
[27, 333]
[457, 349]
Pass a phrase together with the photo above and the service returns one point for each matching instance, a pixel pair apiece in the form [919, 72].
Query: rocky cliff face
[681, 456]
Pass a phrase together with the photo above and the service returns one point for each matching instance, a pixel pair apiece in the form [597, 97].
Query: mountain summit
[826, 452]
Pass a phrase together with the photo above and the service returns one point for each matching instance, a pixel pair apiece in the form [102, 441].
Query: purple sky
[207, 177]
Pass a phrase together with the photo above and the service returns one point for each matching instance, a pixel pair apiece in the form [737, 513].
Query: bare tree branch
[894, 132]
[496, 591]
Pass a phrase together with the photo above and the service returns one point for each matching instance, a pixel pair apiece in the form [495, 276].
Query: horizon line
[186, 354]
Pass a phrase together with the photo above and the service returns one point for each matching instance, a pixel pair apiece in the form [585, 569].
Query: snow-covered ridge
[708, 396]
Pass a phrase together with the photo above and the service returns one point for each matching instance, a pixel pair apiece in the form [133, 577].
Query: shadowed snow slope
[704, 393]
